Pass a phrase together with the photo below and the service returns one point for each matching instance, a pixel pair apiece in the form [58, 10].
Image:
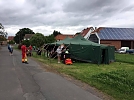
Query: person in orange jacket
[24, 56]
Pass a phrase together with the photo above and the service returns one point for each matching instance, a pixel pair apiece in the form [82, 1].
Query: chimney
[95, 28]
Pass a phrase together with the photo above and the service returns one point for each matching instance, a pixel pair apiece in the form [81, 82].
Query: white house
[28, 36]
[86, 32]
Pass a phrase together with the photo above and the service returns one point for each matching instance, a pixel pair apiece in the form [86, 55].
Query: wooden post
[132, 45]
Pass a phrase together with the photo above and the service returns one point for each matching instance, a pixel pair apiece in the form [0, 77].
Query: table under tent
[87, 51]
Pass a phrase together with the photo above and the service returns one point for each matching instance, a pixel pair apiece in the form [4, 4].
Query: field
[115, 79]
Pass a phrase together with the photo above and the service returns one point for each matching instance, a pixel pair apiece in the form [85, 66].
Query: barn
[118, 37]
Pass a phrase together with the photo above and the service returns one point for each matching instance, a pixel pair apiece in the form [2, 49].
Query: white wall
[89, 32]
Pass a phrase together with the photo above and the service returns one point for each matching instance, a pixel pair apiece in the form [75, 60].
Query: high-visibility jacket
[24, 57]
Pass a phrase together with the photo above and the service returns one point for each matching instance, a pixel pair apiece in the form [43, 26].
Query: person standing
[30, 48]
[10, 48]
[24, 56]
[59, 51]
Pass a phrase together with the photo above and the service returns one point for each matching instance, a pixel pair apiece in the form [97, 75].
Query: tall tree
[11, 42]
[2, 31]
[26, 42]
[2, 38]
[37, 40]
[21, 33]
[50, 39]
[55, 33]
[1, 26]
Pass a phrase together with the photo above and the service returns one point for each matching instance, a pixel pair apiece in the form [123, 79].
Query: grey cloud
[87, 6]
[95, 7]
[38, 3]
[60, 13]
[128, 8]
[92, 12]
[34, 13]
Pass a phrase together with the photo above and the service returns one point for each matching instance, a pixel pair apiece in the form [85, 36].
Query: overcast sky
[66, 16]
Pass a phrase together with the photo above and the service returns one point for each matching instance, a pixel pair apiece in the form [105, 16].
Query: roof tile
[85, 31]
[63, 36]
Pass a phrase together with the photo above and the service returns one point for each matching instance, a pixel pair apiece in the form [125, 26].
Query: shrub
[19, 46]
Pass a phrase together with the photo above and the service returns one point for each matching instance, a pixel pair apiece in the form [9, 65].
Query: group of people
[24, 50]
[61, 51]
[63, 54]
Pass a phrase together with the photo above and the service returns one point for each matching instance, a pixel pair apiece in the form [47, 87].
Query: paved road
[19, 81]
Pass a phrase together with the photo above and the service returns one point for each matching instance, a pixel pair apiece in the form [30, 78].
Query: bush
[19, 46]
[26, 42]
[11, 42]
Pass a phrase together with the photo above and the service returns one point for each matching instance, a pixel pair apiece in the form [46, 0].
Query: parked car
[123, 49]
[130, 51]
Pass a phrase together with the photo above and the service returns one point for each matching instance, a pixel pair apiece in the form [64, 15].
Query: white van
[123, 49]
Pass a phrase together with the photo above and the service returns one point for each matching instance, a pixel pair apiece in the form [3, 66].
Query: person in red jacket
[24, 56]
[30, 48]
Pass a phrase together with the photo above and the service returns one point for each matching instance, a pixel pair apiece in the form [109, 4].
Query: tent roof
[77, 40]
[65, 41]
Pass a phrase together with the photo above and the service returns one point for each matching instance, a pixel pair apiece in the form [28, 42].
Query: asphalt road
[19, 81]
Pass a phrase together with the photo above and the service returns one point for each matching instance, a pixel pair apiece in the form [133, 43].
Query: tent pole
[46, 50]
[53, 50]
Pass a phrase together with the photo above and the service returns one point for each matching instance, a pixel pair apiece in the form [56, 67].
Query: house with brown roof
[86, 32]
[63, 36]
[28, 36]
[10, 38]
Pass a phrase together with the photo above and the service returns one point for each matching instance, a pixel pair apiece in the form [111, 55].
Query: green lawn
[115, 79]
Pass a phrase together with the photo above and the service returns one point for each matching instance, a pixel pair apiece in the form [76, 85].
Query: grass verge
[115, 79]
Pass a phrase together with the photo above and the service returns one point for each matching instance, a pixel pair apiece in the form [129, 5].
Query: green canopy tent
[85, 50]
